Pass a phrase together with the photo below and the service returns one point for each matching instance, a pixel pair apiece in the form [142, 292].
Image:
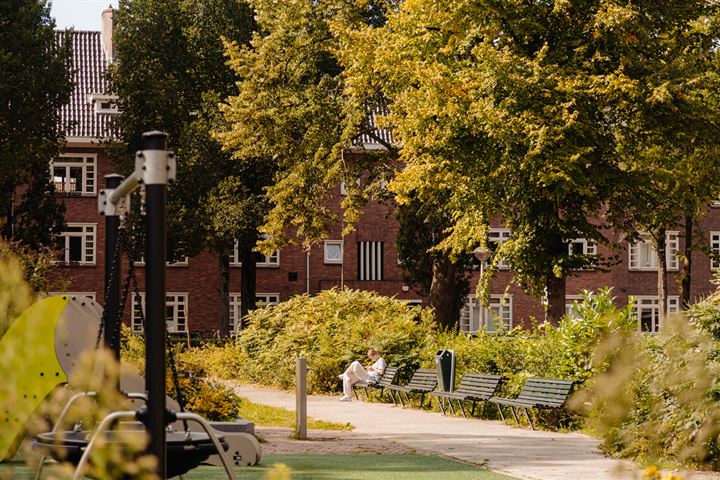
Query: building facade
[365, 259]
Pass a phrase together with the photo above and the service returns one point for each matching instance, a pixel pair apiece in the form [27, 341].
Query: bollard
[301, 398]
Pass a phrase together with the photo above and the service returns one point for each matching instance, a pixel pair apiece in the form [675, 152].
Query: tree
[35, 82]
[170, 75]
[442, 279]
[667, 121]
[290, 109]
[505, 105]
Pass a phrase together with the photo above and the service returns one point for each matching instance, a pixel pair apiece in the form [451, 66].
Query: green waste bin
[445, 366]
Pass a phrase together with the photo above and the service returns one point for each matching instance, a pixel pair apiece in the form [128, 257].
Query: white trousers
[354, 373]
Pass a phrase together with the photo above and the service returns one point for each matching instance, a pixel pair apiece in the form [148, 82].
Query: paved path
[518, 452]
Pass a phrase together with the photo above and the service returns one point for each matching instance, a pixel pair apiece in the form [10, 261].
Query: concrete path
[518, 452]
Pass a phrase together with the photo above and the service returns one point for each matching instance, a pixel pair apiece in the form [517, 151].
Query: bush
[657, 400]
[331, 330]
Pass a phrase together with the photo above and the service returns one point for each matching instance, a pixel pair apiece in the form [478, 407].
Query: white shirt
[378, 365]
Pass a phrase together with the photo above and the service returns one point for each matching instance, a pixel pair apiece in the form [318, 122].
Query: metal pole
[301, 398]
[155, 178]
[112, 279]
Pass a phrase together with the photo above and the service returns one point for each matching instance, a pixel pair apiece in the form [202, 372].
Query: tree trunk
[555, 286]
[224, 267]
[248, 276]
[661, 249]
[443, 289]
[686, 274]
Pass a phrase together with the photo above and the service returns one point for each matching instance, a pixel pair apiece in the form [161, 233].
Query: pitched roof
[78, 118]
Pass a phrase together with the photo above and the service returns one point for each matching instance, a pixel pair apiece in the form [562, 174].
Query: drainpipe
[307, 271]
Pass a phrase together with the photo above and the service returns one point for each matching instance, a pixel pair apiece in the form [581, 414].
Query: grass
[330, 467]
[267, 416]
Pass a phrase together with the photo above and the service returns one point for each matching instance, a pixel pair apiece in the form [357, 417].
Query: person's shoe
[345, 398]
[341, 376]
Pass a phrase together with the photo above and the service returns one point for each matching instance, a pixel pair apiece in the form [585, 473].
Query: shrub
[331, 330]
[657, 400]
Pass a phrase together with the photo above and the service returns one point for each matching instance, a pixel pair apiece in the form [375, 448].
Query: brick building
[366, 259]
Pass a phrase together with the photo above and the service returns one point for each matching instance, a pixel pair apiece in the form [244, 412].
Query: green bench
[538, 393]
[387, 379]
[423, 381]
[474, 387]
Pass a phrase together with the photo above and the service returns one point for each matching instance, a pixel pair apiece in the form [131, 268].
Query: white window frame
[570, 302]
[329, 260]
[263, 300]
[715, 248]
[498, 236]
[487, 319]
[588, 246]
[174, 299]
[179, 263]
[99, 99]
[650, 263]
[269, 261]
[650, 302]
[87, 252]
[88, 165]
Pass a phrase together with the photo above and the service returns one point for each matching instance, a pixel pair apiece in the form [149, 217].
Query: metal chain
[114, 269]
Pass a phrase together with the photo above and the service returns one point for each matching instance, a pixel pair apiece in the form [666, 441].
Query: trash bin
[445, 366]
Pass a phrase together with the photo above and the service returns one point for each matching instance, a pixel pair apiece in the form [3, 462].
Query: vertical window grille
[370, 260]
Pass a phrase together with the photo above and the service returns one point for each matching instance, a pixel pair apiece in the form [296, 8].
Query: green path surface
[331, 467]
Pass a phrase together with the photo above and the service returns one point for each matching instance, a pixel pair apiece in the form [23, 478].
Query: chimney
[106, 31]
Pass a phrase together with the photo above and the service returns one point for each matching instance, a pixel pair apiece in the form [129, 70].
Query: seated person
[357, 373]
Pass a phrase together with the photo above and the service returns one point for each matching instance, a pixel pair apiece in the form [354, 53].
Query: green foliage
[331, 330]
[35, 81]
[290, 110]
[15, 293]
[706, 314]
[202, 396]
[656, 400]
[39, 270]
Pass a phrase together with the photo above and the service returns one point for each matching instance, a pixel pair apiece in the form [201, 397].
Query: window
[496, 237]
[715, 248]
[183, 262]
[495, 317]
[644, 257]
[571, 302]
[74, 174]
[370, 260]
[333, 251]
[104, 103]
[175, 312]
[261, 260]
[582, 246]
[262, 300]
[90, 295]
[647, 312]
[78, 244]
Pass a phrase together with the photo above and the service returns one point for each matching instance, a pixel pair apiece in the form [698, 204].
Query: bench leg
[392, 395]
[402, 402]
[502, 415]
[441, 403]
[422, 399]
[357, 397]
[407, 397]
[512, 409]
[367, 395]
[452, 407]
[462, 409]
[472, 412]
[529, 419]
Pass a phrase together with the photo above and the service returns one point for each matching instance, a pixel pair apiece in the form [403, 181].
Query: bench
[474, 387]
[385, 381]
[538, 393]
[423, 381]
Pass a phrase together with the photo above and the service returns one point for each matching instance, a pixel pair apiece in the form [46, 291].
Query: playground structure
[60, 329]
